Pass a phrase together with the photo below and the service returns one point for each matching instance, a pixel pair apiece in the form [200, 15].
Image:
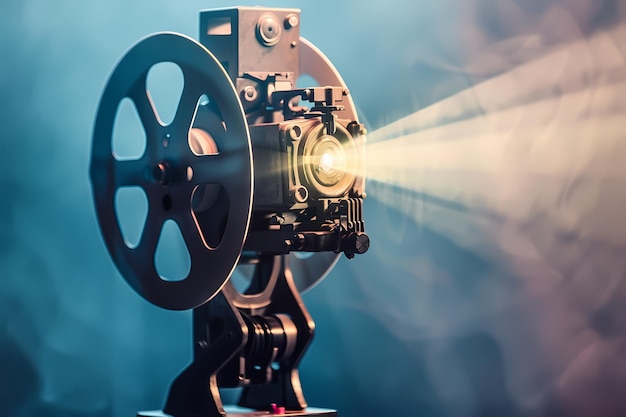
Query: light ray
[524, 169]
[579, 65]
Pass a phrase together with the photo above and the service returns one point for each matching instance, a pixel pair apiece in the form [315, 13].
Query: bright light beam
[517, 191]
[525, 166]
[580, 65]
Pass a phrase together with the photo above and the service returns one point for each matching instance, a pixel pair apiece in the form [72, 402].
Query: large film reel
[169, 171]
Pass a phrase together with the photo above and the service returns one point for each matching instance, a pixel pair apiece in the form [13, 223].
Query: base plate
[234, 411]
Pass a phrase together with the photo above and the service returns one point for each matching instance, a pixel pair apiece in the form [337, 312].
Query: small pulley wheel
[169, 171]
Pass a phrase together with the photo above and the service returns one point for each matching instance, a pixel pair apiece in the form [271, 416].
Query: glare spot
[326, 162]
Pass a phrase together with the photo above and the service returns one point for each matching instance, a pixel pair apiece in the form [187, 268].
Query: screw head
[362, 243]
[291, 21]
[160, 173]
[249, 93]
[294, 132]
[299, 194]
[268, 29]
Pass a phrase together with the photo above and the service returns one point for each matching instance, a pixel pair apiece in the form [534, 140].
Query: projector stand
[253, 340]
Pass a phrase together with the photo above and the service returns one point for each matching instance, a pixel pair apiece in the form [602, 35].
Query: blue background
[420, 325]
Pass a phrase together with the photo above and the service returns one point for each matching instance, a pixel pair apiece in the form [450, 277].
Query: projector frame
[252, 341]
[253, 338]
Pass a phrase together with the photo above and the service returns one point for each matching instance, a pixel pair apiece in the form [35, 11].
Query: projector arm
[188, 395]
[258, 347]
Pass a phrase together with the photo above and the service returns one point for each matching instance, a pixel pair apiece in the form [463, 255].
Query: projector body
[252, 176]
[296, 206]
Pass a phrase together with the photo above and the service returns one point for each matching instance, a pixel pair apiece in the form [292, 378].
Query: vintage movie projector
[255, 171]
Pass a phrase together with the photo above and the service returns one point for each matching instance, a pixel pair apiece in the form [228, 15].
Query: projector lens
[329, 162]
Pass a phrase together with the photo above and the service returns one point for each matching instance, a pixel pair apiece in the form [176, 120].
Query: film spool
[169, 172]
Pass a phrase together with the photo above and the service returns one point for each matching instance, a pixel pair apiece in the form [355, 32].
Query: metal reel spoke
[208, 169]
[186, 111]
[193, 237]
[129, 172]
[146, 248]
[145, 108]
[216, 169]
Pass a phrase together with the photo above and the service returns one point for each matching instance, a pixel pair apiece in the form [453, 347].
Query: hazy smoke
[519, 175]
[495, 282]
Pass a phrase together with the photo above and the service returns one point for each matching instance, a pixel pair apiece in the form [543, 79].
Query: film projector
[259, 175]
